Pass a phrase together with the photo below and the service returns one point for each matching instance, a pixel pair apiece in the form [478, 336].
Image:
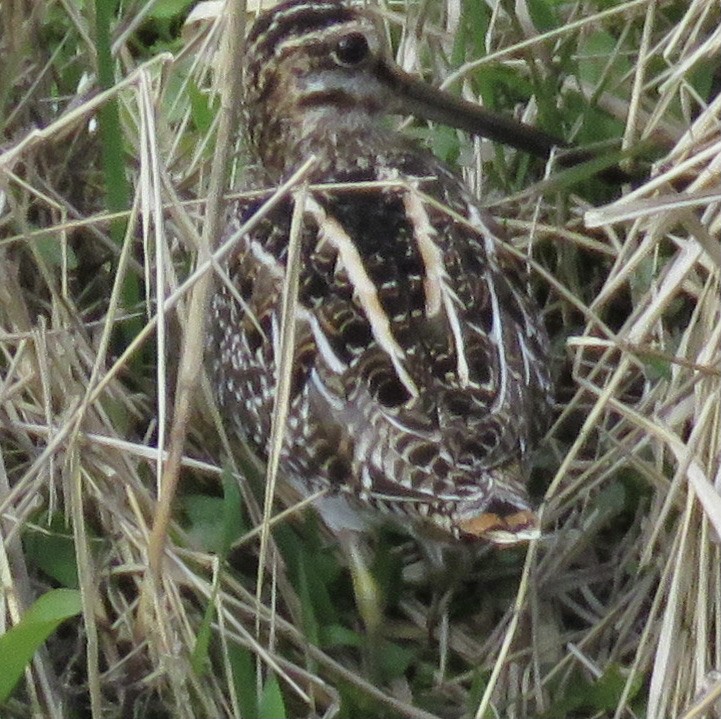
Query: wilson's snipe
[420, 374]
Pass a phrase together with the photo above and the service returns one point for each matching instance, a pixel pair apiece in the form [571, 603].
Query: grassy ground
[109, 121]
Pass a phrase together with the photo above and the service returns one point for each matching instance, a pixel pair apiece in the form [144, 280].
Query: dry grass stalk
[628, 576]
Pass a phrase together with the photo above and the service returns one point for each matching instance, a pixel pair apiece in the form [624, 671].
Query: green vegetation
[109, 117]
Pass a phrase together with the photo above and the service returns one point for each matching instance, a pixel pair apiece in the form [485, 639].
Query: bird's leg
[447, 567]
[368, 598]
[438, 621]
[365, 588]
[442, 589]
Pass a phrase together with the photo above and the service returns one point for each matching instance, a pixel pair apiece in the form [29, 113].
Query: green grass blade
[271, 701]
[19, 644]
[117, 187]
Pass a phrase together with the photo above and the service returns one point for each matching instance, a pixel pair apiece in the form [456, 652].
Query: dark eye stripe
[341, 99]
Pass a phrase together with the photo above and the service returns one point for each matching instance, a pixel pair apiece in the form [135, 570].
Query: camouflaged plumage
[420, 372]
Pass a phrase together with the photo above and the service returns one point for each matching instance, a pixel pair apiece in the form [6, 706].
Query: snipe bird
[420, 376]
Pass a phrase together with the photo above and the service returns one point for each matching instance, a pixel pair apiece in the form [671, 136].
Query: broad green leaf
[271, 701]
[543, 15]
[202, 512]
[222, 534]
[657, 367]
[19, 644]
[202, 110]
[199, 657]
[594, 53]
[169, 9]
[232, 517]
[50, 248]
[207, 532]
[242, 667]
[310, 621]
[51, 548]
[476, 17]
[336, 635]
[605, 692]
[394, 660]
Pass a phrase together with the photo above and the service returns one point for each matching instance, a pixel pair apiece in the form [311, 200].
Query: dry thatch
[615, 613]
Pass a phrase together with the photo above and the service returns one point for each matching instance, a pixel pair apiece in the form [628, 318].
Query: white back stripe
[332, 231]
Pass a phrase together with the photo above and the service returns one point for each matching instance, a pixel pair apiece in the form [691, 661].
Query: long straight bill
[413, 96]
[421, 99]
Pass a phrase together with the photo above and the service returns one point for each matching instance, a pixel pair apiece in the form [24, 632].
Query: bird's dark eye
[351, 49]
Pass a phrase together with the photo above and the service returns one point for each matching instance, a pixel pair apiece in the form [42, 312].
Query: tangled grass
[108, 164]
